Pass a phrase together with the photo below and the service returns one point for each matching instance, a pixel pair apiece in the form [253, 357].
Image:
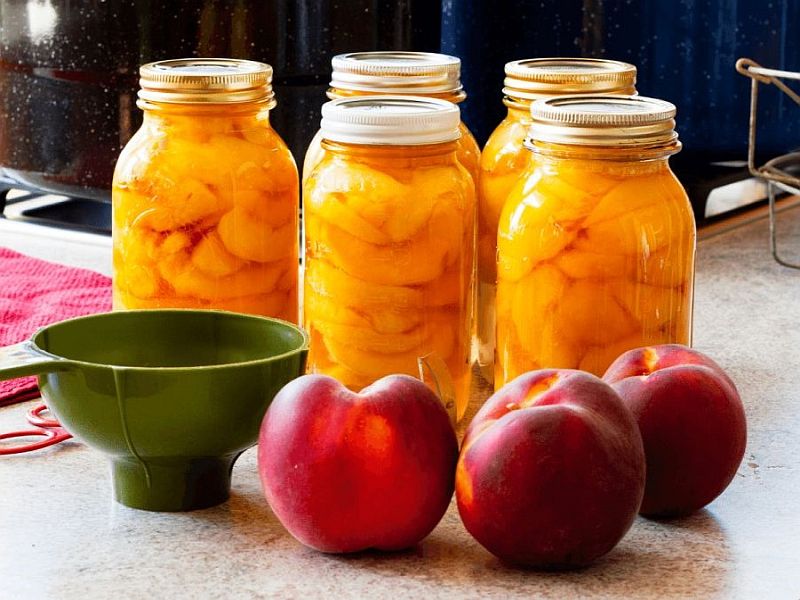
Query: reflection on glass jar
[504, 158]
[389, 242]
[596, 244]
[205, 195]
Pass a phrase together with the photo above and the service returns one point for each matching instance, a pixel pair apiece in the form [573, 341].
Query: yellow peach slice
[211, 257]
[439, 339]
[274, 209]
[587, 176]
[671, 265]
[366, 338]
[334, 208]
[189, 281]
[325, 279]
[588, 314]
[171, 243]
[598, 358]
[318, 306]
[528, 236]
[634, 194]
[651, 306]
[580, 261]
[451, 288]
[126, 300]
[532, 297]
[555, 350]
[561, 201]
[184, 204]
[255, 240]
[269, 305]
[418, 261]
[494, 190]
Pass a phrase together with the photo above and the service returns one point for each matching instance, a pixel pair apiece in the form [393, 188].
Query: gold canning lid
[618, 121]
[391, 72]
[206, 81]
[536, 78]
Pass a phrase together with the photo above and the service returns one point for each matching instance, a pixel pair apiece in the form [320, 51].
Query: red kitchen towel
[34, 293]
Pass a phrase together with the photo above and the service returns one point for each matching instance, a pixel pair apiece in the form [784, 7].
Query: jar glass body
[389, 245]
[502, 161]
[205, 213]
[596, 255]
[467, 149]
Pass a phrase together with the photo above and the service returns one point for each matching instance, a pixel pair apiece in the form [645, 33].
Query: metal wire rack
[774, 172]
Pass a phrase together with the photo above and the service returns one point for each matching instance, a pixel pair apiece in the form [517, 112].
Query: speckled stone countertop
[62, 536]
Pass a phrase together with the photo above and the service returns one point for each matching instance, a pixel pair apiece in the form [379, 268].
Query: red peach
[347, 471]
[551, 471]
[692, 423]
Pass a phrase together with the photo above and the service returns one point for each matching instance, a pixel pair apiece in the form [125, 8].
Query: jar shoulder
[572, 196]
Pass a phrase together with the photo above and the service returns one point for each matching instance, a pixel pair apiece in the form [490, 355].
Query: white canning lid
[390, 120]
[391, 72]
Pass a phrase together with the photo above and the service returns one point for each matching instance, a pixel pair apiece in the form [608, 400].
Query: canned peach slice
[335, 209]
[444, 290]
[188, 281]
[254, 240]
[211, 257]
[534, 240]
[577, 310]
[597, 358]
[565, 203]
[334, 283]
[578, 263]
[632, 195]
[367, 338]
[272, 209]
[183, 204]
[334, 311]
[368, 362]
[419, 261]
[271, 304]
[534, 295]
[652, 305]
[124, 299]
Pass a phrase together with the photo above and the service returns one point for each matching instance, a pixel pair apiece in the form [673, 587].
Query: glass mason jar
[205, 194]
[596, 243]
[389, 243]
[505, 158]
[399, 74]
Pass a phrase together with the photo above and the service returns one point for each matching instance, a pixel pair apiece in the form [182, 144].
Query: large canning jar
[399, 74]
[389, 243]
[205, 194]
[596, 244]
[504, 158]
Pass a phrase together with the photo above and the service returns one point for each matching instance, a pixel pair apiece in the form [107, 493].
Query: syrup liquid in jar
[596, 244]
[389, 243]
[399, 74]
[205, 194]
[504, 158]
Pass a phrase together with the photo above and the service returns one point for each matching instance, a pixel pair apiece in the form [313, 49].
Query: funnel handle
[25, 359]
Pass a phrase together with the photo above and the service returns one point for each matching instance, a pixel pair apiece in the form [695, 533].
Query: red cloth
[34, 293]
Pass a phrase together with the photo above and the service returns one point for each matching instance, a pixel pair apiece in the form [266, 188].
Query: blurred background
[68, 70]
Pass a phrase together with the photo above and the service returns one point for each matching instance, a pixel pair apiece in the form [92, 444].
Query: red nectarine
[551, 471]
[345, 472]
[692, 423]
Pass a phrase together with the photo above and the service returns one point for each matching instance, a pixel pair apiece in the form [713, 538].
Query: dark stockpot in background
[69, 70]
[684, 50]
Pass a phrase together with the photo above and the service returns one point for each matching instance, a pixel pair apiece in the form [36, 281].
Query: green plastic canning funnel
[173, 397]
